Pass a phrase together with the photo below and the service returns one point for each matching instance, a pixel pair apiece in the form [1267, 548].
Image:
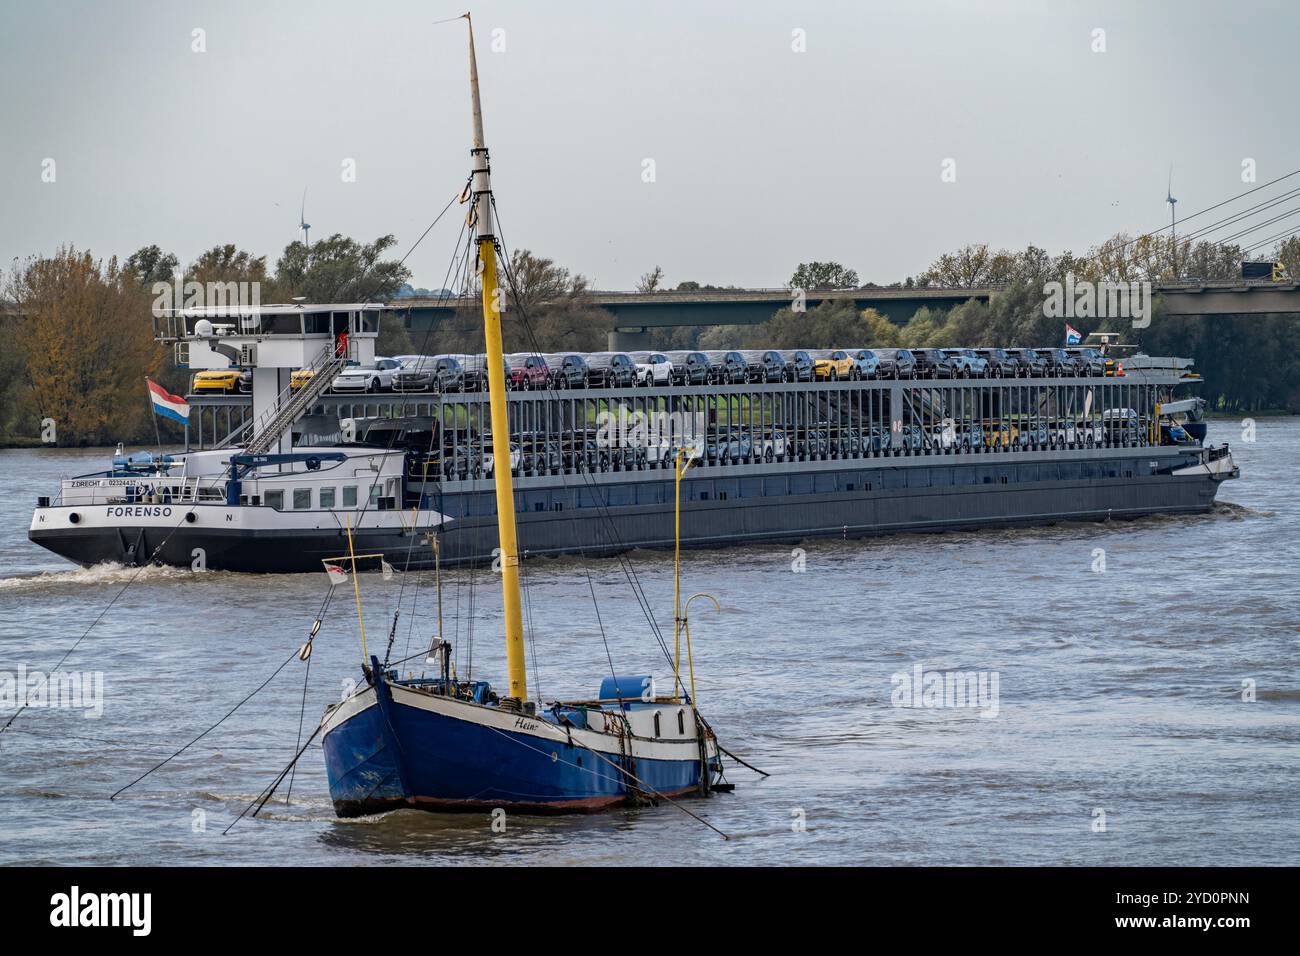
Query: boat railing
[138, 490]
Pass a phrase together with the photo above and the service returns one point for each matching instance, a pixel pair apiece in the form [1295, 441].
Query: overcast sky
[763, 156]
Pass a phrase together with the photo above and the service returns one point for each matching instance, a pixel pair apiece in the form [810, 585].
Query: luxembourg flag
[1072, 336]
[166, 404]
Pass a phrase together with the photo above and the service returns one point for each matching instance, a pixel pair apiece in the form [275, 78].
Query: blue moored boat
[438, 745]
[444, 744]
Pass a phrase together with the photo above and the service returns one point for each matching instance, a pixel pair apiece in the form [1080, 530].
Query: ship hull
[389, 748]
[857, 513]
[266, 551]
[721, 512]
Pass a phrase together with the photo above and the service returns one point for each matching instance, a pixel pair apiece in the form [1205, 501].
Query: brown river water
[1112, 728]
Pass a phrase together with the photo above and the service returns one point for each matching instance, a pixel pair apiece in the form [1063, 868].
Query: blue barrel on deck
[625, 688]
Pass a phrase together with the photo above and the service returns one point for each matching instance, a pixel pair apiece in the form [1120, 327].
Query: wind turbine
[303, 224]
[1173, 218]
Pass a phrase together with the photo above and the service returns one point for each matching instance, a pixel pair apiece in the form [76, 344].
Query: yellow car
[1001, 436]
[833, 365]
[300, 378]
[226, 381]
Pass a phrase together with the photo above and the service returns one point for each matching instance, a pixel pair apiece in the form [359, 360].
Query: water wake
[98, 574]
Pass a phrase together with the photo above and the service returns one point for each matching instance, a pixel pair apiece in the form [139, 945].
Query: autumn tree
[555, 303]
[89, 345]
[14, 394]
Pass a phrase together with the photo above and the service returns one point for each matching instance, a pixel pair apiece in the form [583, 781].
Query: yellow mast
[356, 593]
[677, 576]
[482, 197]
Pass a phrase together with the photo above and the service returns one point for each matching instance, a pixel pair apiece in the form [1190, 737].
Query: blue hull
[391, 755]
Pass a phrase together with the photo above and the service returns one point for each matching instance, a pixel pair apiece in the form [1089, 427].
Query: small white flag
[336, 574]
[386, 569]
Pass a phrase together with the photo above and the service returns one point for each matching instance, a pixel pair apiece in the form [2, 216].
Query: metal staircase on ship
[290, 405]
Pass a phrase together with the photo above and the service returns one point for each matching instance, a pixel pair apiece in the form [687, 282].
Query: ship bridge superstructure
[273, 342]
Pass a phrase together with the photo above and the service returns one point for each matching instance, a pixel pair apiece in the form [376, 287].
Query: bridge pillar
[629, 340]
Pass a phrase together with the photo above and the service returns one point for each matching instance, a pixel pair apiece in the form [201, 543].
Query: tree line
[76, 331]
[76, 337]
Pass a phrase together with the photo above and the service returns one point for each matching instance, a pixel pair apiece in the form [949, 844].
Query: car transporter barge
[593, 469]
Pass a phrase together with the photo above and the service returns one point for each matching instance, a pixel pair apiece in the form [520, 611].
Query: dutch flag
[166, 404]
[1072, 336]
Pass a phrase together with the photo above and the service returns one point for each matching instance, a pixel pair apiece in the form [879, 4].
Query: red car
[528, 370]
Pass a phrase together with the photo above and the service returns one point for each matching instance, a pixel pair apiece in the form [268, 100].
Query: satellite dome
[203, 329]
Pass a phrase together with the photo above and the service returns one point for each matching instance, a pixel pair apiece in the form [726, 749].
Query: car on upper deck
[896, 363]
[528, 371]
[933, 363]
[652, 368]
[371, 378]
[967, 363]
[689, 367]
[226, 381]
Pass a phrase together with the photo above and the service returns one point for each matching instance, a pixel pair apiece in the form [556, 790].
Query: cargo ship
[291, 469]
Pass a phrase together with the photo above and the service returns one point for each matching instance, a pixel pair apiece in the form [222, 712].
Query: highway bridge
[635, 314]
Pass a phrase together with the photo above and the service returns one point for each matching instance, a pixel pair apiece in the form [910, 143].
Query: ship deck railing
[791, 422]
[146, 489]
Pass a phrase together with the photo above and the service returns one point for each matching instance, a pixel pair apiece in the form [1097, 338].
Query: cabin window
[301, 499]
[327, 497]
[349, 496]
[657, 733]
[681, 723]
[374, 494]
[275, 499]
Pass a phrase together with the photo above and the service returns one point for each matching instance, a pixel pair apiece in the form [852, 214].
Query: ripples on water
[1119, 691]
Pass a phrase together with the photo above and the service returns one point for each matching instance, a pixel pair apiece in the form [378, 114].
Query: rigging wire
[1267, 222]
[1202, 212]
[269, 790]
[532, 630]
[1237, 218]
[602, 506]
[302, 714]
[1283, 235]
